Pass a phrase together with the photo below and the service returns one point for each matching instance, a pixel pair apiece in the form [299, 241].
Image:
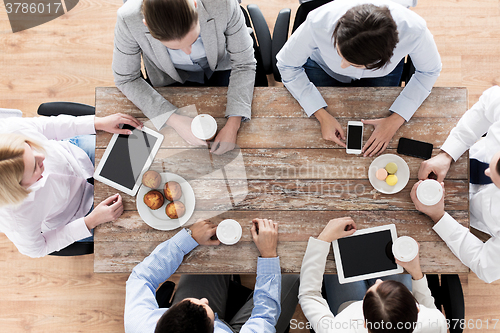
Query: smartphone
[415, 148]
[354, 137]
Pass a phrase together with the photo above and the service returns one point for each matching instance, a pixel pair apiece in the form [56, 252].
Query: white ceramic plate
[403, 173]
[158, 219]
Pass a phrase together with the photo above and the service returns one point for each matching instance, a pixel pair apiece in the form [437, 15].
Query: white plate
[403, 173]
[158, 219]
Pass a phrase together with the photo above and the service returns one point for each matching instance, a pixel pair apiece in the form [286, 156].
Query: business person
[382, 307]
[199, 304]
[45, 198]
[484, 191]
[360, 43]
[185, 42]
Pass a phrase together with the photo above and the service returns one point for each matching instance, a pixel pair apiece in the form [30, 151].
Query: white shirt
[484, 200]
[196, 62]
[313, 39]
[351, 319]
[51, 217]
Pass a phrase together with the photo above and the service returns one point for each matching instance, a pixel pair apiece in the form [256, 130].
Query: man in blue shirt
[200, 301]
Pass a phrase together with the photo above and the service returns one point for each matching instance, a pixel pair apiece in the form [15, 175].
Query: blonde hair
[12, 167]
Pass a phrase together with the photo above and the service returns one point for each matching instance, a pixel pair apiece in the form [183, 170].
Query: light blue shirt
[142, 311]
[196, 63]
[313, 39]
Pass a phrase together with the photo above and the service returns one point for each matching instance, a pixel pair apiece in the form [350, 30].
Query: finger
[108, 201]
[133, 121]
[118, 203]
[369, 122]
[350, 232]
[215, 146]
[377, 148]
[368, 143]
[384, 147]
[253, 230]
[337, 141]
[370, 149]
[341, 132]
[213, 242]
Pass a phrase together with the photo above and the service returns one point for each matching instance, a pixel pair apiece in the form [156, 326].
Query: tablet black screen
[367, 253]
[127, 157]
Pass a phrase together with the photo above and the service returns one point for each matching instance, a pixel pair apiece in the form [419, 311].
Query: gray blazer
[227, 42]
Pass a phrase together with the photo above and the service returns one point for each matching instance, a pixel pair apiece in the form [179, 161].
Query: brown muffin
[175, 209]
[172, 191]
[153, 199]
[151, 179]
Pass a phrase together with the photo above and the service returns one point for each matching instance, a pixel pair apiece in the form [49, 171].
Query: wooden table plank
[280, 163]
[435, 257]
[251, 195]
[306, 133]
[277, 102]
[130, 227]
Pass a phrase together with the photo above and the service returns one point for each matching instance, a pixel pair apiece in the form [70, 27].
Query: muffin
[151, 179]
[175, 209]
[172, 191]
[153, 199]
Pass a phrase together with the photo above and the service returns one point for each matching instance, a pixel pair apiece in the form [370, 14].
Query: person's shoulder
[429, 320]
[130, 10]
[218, 7]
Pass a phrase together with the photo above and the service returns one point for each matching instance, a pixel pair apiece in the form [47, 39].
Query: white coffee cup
[429, 192]
[204, 127]
[229, 232]
[405, 248]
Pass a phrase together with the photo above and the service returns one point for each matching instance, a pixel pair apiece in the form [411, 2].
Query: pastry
[381, 174]
[172, 191]
[151, 179]
[175, 209]
[391, 180]
[153, 199]
[391, 168]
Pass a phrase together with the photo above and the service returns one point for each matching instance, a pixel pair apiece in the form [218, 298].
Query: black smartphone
[415, 148]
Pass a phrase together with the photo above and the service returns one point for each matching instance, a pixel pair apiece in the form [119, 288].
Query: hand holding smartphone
[354, 137]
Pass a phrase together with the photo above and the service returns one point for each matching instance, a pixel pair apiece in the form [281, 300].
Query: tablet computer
[366, 254]
[127, 157]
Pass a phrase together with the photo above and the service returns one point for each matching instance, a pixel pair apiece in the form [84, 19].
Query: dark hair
[498, 166]
[366, 35]
[390, 308]
[169, 19]
[185, 317]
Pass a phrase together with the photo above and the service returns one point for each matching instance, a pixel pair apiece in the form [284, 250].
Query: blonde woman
[46, 195]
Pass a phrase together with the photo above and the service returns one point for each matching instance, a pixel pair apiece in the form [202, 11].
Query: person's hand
[108, 210]
[203, 231]
[182, 125]
[226, 139]
[438, 165]
[330, 127]
[265, 237]
[413, 267]
[385, 128]
[337, 228]
[435, 212]
[111, 123]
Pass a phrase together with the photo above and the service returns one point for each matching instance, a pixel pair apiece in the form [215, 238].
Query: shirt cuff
[404, 106]
[78, 229]
[455, 148]
[268, 266]
[184, 241]
[85, 125]
[445, 226]
[160, 120]
[419, 284]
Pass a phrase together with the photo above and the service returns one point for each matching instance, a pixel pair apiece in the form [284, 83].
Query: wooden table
[291, 175]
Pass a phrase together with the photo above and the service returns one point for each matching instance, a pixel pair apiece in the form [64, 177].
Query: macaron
[391, 180]
[381, 174]
[391, 168]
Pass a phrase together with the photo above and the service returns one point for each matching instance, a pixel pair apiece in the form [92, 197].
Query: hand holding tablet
[338, 228]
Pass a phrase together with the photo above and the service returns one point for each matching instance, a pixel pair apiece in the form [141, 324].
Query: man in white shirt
[360, 43]
[53, 210]
[484, 199]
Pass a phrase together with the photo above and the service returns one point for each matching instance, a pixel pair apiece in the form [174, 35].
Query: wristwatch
[189, 231]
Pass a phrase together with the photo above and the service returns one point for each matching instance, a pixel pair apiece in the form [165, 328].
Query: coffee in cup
[204, 127]
[405, 248]
[229, 232]
[429, 192]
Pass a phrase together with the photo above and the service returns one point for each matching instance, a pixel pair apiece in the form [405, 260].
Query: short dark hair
[366, 35]
[169, 19]
[185, 317]
[393, 303]
[498, 166]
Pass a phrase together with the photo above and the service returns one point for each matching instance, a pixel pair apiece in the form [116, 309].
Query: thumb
[369, 121]
[213, 242]
[110, 199]
[118, 130]
[350, 232]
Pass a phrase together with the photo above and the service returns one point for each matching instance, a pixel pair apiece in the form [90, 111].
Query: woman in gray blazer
[185, 42]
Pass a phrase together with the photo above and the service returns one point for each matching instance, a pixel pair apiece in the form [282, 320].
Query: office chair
[268, 46]
[450, 295]
[305, 8]
[73, 109]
